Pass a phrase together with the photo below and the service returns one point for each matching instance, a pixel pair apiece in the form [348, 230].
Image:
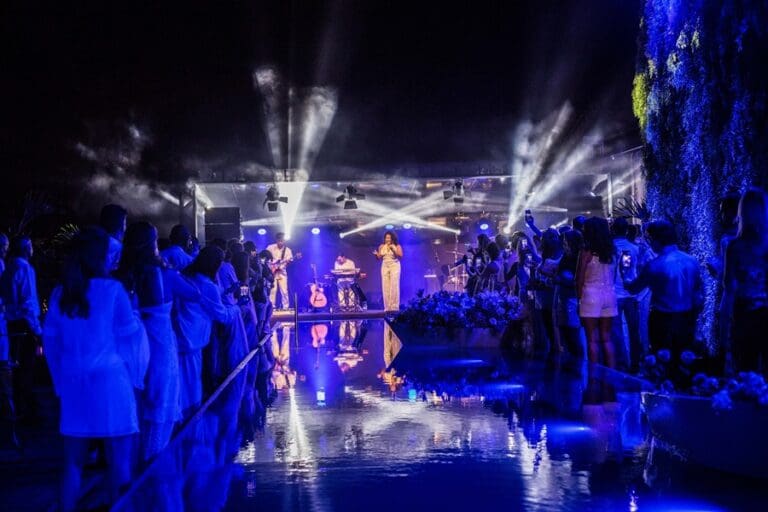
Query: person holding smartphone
[629, 349]
[390, 253]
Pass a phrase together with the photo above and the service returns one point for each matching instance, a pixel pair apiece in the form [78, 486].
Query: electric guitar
[317, 298]
[280, 265]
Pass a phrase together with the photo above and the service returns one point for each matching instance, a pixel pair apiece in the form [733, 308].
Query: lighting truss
[456, 192]
[350, 197]
[273, 199]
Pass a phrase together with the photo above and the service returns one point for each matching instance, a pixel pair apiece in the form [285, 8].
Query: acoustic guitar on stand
[317, 298]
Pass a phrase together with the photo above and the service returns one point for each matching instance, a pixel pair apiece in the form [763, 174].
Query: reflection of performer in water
[392, 346]
[282, 375]
[348, 285]
[390, 253]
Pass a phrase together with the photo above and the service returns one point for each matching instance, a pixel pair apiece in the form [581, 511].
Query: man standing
[176, 255]
[113, 219]
[281, 257]
[674, 279]
[629, 354]
[18, 289]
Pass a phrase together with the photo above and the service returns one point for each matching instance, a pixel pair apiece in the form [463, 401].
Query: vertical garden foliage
[700, 98]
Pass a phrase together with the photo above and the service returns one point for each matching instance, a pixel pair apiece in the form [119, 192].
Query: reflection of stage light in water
[320, 395]
[261, 231]
[412, 395]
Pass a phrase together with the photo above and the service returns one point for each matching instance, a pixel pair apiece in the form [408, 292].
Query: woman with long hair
[390, 253]
[97, 353]
[544, 295]
[194, 324]
[595, 287]
[525, 258]
[744, 306]
[153, 288]
[565, 301]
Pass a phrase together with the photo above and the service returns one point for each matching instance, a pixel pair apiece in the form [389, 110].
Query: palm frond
[629, 207]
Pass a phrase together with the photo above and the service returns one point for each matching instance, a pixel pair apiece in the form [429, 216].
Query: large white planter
[478, 337]
[732, 440]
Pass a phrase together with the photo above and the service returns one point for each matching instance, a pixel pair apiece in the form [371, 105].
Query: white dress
[193, 322]
[96, 362]
[161, 396]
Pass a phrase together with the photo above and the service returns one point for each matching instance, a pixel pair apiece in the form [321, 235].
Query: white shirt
[177, 257]
[18, 287]
[194, 319]
[347, 265]
[278, 254]
[113, 253]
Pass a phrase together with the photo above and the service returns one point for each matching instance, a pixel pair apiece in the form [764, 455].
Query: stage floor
[289, 315]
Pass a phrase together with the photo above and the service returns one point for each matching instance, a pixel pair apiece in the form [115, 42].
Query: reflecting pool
[362, 423]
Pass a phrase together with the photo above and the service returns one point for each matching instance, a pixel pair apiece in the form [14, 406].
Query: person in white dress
[97, 353]
[194, 321]
[153, 289]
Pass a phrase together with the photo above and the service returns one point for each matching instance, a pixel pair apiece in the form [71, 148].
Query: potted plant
[458, 319]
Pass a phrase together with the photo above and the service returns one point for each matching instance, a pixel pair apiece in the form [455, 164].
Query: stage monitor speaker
[223, 222]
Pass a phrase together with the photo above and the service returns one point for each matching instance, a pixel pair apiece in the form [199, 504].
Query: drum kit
[454, 278]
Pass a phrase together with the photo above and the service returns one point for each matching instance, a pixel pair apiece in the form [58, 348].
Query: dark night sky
[417, 81]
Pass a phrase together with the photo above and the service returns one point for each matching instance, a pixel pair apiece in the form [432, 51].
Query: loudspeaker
[222, 223]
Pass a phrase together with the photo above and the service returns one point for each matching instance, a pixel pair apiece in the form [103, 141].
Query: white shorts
[598, 303]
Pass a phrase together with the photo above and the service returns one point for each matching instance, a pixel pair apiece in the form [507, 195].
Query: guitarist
[281, 257]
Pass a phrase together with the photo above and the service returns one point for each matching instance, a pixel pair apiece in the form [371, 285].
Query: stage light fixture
[407, 225]
[272, 199]
[456, 192]
[315, 231]
[389, 227]
[483, 226]
[261, 231]
[350, 197]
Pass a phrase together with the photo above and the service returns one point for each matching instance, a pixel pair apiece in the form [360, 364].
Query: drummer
[345, 264]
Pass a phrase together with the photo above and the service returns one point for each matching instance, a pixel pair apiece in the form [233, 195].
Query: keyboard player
[346, 279]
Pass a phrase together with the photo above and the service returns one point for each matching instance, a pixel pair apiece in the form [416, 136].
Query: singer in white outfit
[390, 253]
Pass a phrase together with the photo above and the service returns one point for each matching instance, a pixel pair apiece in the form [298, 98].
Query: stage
[290, 315]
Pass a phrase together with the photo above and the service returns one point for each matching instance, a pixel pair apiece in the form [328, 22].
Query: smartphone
[528, 216]
[528, 259]
[626, 259]
[245, 290]
[524, 243]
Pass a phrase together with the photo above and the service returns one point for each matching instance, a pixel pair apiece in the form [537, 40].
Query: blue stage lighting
[484, 226]
[261, 231]
[407, 225]
[315, 231]
[389, 226]
[320, 397]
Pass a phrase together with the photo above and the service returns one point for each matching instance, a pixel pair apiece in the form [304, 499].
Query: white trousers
[281, 282]
[390, 285]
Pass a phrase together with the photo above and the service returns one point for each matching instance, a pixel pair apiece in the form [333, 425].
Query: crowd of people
[139, 328]
[613, 292]
[134, 336]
